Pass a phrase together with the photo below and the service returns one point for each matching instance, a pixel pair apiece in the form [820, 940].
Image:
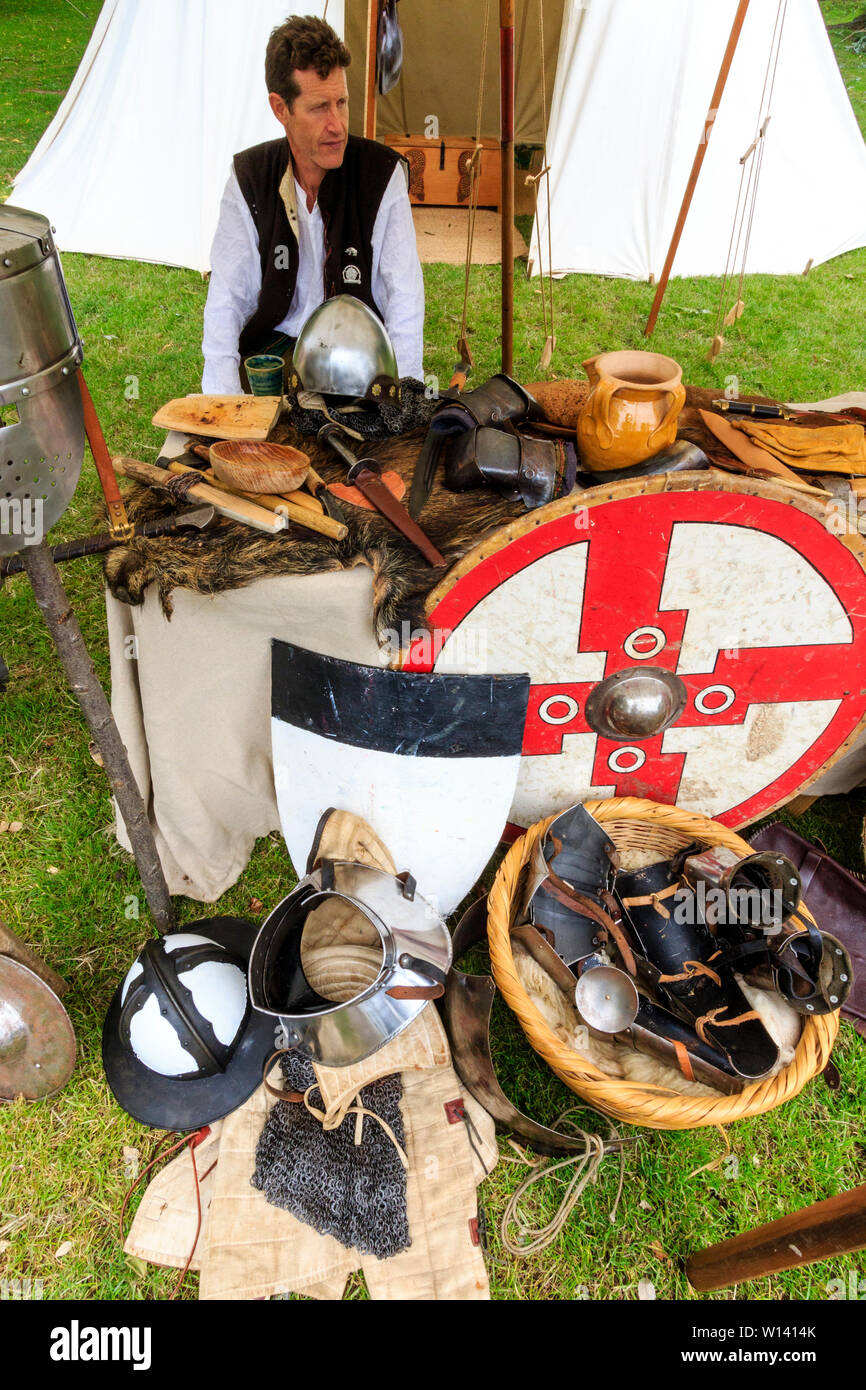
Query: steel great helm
[41, 417]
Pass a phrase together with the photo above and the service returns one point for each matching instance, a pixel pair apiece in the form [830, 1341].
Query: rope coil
[586, 1167]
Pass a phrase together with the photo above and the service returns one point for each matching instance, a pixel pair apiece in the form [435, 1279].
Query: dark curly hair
[301, 43]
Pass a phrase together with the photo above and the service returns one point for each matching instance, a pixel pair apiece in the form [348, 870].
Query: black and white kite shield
[430, 762]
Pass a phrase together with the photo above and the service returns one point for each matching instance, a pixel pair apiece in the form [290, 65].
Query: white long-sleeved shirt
[397, 282]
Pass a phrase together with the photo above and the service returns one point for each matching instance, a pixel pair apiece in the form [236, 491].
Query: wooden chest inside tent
[440, 170]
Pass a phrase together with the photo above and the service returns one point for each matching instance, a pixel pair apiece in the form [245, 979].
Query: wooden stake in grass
[66, 635]
[547, 353]
[735, 312]
[715, 103]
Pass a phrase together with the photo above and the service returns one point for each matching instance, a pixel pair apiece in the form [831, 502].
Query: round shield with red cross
[698, 639]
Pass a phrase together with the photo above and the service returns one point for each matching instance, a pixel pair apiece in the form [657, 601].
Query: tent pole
[506, 144]
[698, 161]
[370, 81]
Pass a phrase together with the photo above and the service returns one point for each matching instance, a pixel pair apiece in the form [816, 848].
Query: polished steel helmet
[389, 47]
[344, 350]
[415, 958]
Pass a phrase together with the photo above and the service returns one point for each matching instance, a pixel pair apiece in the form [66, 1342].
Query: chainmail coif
[355, 1193]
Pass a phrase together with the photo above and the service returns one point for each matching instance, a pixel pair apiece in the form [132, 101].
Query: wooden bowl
[249, 466]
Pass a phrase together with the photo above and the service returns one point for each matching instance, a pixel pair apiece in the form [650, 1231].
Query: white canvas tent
[441, 64]
[136, 158]
[633, 86]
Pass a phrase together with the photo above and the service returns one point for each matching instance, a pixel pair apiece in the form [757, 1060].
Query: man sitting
[304, 218]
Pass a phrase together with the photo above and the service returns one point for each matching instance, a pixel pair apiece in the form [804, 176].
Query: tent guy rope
[463, 349]
[744, 212]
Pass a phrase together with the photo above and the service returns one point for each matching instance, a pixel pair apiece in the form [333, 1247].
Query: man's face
[317, 125]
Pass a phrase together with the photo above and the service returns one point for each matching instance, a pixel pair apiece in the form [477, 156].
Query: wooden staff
[118, 521]
[698, 161]
[235, 508]
[834, 1227]
[506, 146]
[273, 502]
[66, 635]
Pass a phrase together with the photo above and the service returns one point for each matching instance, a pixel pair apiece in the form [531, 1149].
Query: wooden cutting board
[221, 417]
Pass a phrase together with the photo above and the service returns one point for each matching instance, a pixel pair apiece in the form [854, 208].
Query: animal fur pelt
[231, 555]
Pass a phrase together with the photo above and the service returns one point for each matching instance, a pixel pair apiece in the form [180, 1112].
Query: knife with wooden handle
[851, 415]
[758, 409]
[364, 475]
[323, 495]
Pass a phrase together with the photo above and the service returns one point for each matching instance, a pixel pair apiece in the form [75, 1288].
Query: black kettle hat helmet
[180, 1045]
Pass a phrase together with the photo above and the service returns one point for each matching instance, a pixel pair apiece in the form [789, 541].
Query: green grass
[62, 1166]
[43, 41]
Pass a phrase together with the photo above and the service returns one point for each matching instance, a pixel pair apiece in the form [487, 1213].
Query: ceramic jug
[631, 411]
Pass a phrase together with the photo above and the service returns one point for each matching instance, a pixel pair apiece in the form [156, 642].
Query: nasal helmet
[344, 350]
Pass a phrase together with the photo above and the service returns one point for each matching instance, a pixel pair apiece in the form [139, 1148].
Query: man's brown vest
[349, 199]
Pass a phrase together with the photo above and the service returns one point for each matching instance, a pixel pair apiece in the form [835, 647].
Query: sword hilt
[331, 434]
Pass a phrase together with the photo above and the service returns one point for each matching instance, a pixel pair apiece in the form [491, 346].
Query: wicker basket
[636, 824]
